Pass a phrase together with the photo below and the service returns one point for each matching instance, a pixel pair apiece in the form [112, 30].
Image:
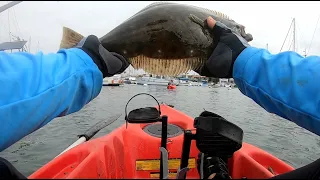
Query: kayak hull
[131, 153]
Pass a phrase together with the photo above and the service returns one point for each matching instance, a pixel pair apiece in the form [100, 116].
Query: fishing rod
[91, 132]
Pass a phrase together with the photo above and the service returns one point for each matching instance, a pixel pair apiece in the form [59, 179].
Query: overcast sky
[268, 22]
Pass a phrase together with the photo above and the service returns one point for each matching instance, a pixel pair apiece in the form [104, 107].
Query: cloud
[268, 22]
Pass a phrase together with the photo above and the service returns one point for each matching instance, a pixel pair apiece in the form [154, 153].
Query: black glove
[228, 46]
[109, 63]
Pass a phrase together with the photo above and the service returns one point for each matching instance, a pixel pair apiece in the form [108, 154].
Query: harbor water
[273, 134]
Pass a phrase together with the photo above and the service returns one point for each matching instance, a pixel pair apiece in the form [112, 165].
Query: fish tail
[70, 38]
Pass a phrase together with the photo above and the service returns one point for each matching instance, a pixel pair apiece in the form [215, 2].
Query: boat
[113, 81]
[155, 81]
[204, 82]
[152, 81]
[183, 81]
[130, 80]
[171, 86]
[159, 142]
[193, 83]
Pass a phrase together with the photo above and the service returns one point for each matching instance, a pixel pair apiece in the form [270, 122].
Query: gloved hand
[228, 44]
[109, 63]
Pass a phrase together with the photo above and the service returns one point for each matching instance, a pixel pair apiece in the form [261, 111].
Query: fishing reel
[215, 136]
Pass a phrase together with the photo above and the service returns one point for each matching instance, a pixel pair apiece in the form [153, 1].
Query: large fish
[163, 38]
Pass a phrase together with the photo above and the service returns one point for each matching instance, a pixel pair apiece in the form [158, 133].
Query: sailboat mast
[9, 5]
[294, 34]
[286, 36]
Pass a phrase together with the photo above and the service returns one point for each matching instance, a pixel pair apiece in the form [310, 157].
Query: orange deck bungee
[132, 153]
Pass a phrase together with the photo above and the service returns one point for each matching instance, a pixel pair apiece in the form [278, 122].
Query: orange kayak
[133, 153]
[171, 87]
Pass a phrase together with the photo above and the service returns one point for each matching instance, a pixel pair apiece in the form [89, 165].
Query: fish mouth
[248, 37]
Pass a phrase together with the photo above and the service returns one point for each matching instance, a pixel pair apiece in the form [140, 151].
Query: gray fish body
[163, 38]
[165, 31]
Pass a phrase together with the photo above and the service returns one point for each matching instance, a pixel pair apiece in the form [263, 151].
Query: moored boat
[130, 80]
[132, 151]
[152, 81]
[112, 81]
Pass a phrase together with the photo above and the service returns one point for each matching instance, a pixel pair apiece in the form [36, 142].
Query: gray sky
[268, 22]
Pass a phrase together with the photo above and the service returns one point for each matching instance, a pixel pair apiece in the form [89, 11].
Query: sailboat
[294, 41]
[18, 43]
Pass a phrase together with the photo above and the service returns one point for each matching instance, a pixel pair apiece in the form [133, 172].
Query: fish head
[239, 29]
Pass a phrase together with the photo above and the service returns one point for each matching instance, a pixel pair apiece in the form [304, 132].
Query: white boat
[153, 81]
[184, 82]
[195, 83]
[133, 80]
[112, 81]
[130, 80]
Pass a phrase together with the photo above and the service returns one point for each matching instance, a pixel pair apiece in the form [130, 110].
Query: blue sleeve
[38, 88]
[285, 84]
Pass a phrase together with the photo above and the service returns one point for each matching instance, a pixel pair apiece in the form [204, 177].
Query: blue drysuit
[34, 89]
[37, 88]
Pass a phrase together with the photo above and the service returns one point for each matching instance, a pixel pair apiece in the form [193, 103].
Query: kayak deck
[132, 153]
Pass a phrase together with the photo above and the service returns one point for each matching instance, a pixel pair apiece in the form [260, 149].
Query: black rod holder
[164, 131]
[164, 134]
[188, 136]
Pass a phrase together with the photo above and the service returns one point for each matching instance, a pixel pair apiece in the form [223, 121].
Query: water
[273, 134]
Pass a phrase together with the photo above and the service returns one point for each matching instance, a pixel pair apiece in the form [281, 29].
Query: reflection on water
[280, 137]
